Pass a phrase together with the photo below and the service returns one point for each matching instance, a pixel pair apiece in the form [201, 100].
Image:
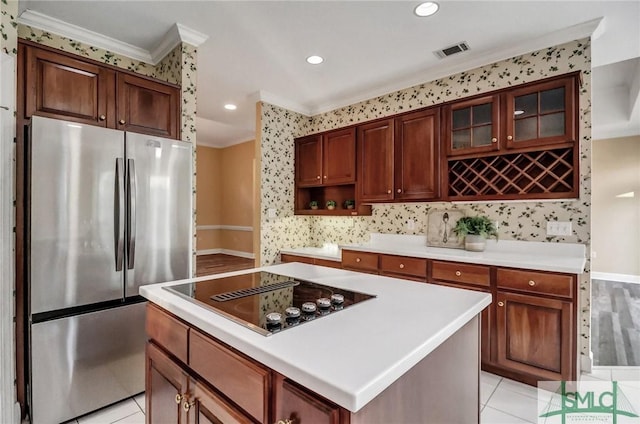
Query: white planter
[474, 243]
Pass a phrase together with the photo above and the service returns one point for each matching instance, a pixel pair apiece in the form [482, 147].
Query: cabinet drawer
[284, 257]
[167, 331]
[328, 263]
[360, 260]
[461, 273]
[402, 265]
[243, 381]
[536, 282]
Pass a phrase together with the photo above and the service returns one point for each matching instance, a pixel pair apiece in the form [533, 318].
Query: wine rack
[539, 174]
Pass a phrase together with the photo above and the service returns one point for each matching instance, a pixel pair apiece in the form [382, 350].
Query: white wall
[615, 221]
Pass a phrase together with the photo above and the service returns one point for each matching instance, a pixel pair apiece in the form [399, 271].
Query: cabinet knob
[388, 191]
[285, 421]
[122, 122]
[358, 259]
[102, 117]
[532, 283]
[458, 273]
[509, 137]
[399, 190]
[494, 140]
[178, 398]
[325, 177]
[401, 266]
[500, 303]
[187, 405]
[318, 177]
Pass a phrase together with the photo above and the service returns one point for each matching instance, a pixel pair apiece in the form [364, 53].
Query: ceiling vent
[451, 50]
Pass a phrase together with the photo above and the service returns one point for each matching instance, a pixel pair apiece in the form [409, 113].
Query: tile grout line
[122, 418]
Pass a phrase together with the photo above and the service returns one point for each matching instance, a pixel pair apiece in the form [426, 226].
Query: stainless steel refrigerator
[109, 211]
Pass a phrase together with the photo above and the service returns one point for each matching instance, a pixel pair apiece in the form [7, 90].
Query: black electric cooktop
[266, 302]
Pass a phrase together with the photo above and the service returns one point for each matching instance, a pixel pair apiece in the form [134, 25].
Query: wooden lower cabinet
[166, 384]
[534, 335]
[217, 384]
[296, 405]
[285, 257]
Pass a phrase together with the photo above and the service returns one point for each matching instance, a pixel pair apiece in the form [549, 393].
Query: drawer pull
[494, 140]
[500, 303]
[358, 259]
[178, 398]
[532, 283]
[122, 122]
[102, 117]
[458, 273]
[318, 177]
[388, 191]
[401, 266]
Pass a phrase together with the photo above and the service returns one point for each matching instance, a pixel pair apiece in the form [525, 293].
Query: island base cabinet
[296, 405]
[205, 407]
[534, 336]
[166, 385]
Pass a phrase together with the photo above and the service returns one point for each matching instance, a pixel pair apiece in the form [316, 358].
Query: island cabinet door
[295, 405]
[534, 335]
[166, 388]
[205, 407]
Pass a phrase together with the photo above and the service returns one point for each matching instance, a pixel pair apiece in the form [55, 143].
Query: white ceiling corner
[47, 23]
[267, 97]
[634, 94]
[447, 68]
[177, 33]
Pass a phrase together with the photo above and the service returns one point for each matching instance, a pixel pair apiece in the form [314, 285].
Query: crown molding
[177, 34]
[47, 23]
[575, 32]
[265, 96]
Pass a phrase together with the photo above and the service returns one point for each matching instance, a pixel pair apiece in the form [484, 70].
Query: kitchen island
[411, 354]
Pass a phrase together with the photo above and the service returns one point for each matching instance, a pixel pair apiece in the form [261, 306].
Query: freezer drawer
[85, 362]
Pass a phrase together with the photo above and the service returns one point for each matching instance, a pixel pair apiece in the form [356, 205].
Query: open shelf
[364, 210]
[337, 193]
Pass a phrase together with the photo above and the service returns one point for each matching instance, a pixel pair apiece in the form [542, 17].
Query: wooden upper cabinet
[309, 160]
[541, 114]
[472, 126]
[339, 157]
[375, 161]
[416, 168]
[147, 107]
[524, 322]
[61, 87]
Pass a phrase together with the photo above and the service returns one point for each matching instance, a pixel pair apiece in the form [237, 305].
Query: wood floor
[219, 263]
[615, 323]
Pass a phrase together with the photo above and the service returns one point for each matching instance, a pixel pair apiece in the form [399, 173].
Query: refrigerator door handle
[131, 218]
[118, 213]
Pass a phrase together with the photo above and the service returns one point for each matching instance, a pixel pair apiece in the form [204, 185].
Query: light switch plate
[272, 213]
[559, 228]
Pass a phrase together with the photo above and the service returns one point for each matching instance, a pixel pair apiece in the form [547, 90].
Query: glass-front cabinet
[473, 126]
[541, 114]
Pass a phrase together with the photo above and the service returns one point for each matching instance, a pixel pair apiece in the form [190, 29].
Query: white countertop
[328, 252]
[542, 256]
[348, 357]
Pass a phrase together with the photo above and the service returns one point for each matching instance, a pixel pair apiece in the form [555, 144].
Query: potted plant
[349, 204]
[313, 204]
[475, 230]
[331, 204]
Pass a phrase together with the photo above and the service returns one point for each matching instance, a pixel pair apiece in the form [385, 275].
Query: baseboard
[230, 252]
[608, 276]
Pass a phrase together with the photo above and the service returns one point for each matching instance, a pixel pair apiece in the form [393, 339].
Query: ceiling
[256, 50]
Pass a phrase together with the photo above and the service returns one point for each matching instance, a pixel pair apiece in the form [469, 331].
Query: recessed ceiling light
[315, 60]
[427, 8]
[230, 106]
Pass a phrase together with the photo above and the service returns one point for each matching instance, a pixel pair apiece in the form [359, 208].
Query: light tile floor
[503, 401]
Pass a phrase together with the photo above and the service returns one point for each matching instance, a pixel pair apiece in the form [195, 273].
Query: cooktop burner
[266, 302]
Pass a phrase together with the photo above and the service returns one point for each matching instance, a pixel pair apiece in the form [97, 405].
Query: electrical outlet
[411, 225]
[559, 228]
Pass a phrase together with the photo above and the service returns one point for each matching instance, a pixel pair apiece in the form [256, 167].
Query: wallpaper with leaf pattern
[518, 220]
[8, 26]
